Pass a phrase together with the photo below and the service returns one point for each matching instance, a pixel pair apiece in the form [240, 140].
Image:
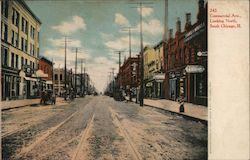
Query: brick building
[181, 54]
[129, 75]
[46, 68]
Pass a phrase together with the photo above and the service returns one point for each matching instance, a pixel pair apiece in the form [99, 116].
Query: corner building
[19, 50]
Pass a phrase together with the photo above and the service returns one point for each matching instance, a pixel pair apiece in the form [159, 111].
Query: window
[15, 17]
[12, 37]
[30, 64]
[26, 45]
[22, 61]
[5, 33]
[33, 51]
[26, 61]
[16, 38]
[60, 77]
[56, 77]
[17, 61]
[22, 44]
[4, 56]
[201, 84]
[24, 25]
[4, 6]
[32, 32]
[37, 52]
[33, 65]
[12, 59]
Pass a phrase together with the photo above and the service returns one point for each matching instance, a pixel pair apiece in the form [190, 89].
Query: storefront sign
[194, 69]
[149, 84]
[195, 32]
[159, 76]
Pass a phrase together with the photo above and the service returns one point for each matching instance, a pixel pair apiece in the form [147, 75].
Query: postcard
[127, 79]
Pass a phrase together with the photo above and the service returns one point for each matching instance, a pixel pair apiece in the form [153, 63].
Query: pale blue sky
[95, 28]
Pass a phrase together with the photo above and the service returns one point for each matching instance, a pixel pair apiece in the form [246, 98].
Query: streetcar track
[83, 139]
[44, 136]
[125, 134]
[14, 131]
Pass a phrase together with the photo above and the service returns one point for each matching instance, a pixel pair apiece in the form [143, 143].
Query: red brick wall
[46, 68]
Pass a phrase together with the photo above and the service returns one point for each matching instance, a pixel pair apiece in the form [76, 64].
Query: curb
[32, 105]
[180, 114]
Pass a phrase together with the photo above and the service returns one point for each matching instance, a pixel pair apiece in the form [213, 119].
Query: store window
[201, 85]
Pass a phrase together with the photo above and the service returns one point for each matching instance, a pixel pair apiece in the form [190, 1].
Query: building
[153, 71]
[20, 28]
[45, 73]
[186, 72]
[82, 83]
[129, 75]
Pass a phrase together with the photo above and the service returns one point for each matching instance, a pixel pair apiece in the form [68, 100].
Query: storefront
[10, 83]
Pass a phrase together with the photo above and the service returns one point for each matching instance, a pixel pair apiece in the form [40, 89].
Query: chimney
[178, 25]
[188, 18]
[170, 33]
[201, 4]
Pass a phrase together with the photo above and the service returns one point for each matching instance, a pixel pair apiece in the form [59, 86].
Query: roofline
[23, 3]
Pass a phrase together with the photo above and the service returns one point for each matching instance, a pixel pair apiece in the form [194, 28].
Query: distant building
[20, 29]
[129, 75]
[46, 68]
[153, 71]
[59, 80]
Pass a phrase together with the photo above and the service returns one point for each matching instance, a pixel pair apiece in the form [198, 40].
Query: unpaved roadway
[98, 128]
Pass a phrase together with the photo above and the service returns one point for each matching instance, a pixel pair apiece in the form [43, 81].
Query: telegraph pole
[81, 79]
[142, 61]
[113, 81]
[141, 54]
[65, 69]
[76, 74]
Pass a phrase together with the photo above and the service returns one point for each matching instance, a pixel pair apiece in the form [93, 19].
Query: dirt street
[98, 128]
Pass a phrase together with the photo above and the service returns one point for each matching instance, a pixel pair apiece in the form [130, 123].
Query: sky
[96, 28]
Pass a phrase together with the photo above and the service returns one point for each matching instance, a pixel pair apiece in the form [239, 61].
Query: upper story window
[56, 77]
[26, 45]
[17, 61]
[15, 17]
[5, 32]
[22, 61]
[32, 32]
[24, 25]
[22, 44]
[14, 38]
[4, 56]
[5, 7]
[12, 59]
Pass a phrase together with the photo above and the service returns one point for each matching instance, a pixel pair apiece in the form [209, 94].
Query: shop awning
[31, 79]
[49, 82]
[40, 74]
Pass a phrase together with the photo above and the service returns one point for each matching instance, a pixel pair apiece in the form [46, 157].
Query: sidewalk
[23, 102]
[192, 111]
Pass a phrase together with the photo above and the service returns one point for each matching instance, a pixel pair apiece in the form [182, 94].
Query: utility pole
[76, 74]
[113, 81]
[141, 53]
[81, 79]
[65, 70]
[119, 53]
[59, 80]
[142, 61]
[165, 38]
